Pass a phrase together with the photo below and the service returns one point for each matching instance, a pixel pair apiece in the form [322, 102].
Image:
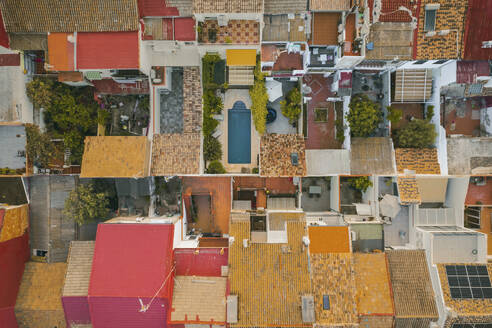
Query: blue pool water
[239, 134]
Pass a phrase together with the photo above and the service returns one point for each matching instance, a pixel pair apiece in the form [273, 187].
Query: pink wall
[123, 312]
[76, 310]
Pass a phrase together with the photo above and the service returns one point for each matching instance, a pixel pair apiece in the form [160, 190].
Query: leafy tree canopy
[417, 134]
[291, 106]
[364, 116]
[85, 204]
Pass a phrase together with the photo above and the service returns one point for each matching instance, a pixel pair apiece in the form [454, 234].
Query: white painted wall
[455, 197]
[335, 193]
[442, 150]
[346, 109]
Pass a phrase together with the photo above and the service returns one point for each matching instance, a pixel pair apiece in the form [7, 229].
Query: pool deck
[231, 97]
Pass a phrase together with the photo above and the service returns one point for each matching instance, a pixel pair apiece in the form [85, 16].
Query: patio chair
[217, 134]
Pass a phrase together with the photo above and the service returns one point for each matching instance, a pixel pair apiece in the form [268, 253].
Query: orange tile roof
[408, 190]
[422, 161]
[329, 240]
[60, 52]
[373, 284]
[121, 157]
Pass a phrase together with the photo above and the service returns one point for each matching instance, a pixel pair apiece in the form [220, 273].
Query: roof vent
[294, 159]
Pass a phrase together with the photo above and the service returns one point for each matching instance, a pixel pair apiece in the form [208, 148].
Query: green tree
[360, 183]
[215, 167]
[394, 115]
[364, 116]
[85, 204]
[259, 99]
[417, 134]
[40, 149]
[40, 92]
[291, 106]
[212, 148]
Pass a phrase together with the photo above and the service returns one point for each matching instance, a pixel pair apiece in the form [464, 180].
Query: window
[326, 302]
[430, 20]
[469, 281]
[420, 62]
[441, 61]
[39, 252]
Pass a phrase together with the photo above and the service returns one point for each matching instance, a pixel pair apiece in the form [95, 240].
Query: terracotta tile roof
[464, 307]
[275, 155]
[329, 240]
[39, 16]
[411, 284]
[332, 275]
[422, 161]
[176, 154]
[113, 156]
[451, 15]
[15, 222]
[408, 190]
[372, 156]
[227, 6]
[39, 298]
[79, 268]
[199, 300]
[373, 284]
[285, 6]
[329, 5]
[278, 272]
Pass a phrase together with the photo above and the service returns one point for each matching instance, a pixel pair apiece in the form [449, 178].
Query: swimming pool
[239, 134]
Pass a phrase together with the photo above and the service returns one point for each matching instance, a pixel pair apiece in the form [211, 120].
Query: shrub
[429, 113]
[364, 116]
[255, 170]
[211, 103]
[291, 106]
[394, 115]
[360, 183]
[340, 136]
[215, 167]
[417, 134]
[212, 149]
[259, 99]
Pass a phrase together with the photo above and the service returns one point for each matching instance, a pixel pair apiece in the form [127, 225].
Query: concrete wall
[335, 193]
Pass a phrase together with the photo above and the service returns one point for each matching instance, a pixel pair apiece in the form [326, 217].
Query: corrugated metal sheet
[131, 260]
[79, 268]
[478, 29]
[413, 85]
[108, 50]
[76, 310]
[13, 255]
[200, 262]
[123, 312]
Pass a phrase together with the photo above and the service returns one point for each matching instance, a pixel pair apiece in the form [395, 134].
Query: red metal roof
[13, 255]
[132, 260]
[184, 29]
[7, 318]
[155, 8]
[108, 50]
[478, 28]
[466, 71]
[200, 262]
